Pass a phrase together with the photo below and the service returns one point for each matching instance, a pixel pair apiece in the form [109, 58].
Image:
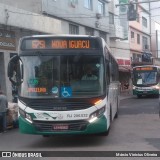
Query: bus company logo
[60, 116]
[48, 116]
[56, 116]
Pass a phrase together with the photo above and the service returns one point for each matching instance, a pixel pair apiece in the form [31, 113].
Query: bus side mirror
[11, 65]
[15, 70]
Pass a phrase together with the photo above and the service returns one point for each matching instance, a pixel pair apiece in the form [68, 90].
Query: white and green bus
[53, 97]
[146, 80]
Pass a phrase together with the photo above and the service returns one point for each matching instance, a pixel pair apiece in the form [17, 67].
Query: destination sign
[60, 43]
[37, 90]
[145, 68]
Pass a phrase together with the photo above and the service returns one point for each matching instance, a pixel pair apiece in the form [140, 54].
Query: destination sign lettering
[51, 43]
[61, 44]
[38, 44]
[37, 90]
[145, 69]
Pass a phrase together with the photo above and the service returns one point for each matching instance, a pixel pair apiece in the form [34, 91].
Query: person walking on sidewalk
[3, 111]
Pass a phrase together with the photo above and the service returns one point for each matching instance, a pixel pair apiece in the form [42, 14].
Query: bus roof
[70, 36]
[146, 66]
[62, 41]
[60, 35]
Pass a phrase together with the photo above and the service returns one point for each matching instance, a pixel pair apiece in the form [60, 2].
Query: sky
[155, 10]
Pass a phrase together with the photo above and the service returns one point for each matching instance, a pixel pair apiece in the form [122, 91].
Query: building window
[101, 8]
[132, 37]
[89, 31]
[145, 42]
[103, 35]
[132, 34]
[13, 54]
[88, 4]
[144, 22]
[111, 18]
[73, 3]
[73, 29]
[138, 20]
[138, 39]
[136, 57]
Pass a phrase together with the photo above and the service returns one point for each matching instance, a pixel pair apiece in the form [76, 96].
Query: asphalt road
[136, 129]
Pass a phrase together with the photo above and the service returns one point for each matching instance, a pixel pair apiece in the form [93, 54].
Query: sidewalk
[126, 95]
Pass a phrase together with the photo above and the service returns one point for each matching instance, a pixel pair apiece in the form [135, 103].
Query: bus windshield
[62, 76]
[145, 78]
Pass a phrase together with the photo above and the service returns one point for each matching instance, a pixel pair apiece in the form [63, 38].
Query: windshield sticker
[55, 90]
[37, 90]
[66, 92]
[33, 81]
[98, 65]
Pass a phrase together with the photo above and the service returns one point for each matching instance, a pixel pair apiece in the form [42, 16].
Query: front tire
[45, 136]
[157, 96]
[106, 133]
[139, 96]
[116, 115]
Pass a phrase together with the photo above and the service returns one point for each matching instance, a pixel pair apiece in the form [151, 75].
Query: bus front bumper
[98, 126]
[150, 92]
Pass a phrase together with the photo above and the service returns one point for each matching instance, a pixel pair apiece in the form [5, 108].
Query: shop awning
[125, 68]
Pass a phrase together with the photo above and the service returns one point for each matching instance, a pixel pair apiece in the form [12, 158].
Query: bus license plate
[60, 127]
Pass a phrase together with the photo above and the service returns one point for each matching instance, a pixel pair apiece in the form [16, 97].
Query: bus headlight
[156, 87]
[28, 118]
[22, 113]
[25, 115]
[94, 116]
[134, 87]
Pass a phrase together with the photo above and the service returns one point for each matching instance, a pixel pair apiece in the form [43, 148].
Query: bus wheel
[157, 96]
[106, 133]
[45, 136]
[139, 96]
[116, 115]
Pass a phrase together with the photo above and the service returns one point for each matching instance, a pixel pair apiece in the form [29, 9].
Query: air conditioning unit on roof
[98, 15]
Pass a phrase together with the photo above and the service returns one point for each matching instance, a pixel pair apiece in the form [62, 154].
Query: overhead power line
[124, 4]
[66, 15]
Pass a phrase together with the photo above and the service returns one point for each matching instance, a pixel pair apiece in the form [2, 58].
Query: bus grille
[60, 106]
[72, 126]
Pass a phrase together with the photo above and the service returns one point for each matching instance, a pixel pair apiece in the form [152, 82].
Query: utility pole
[131, 14]
[150, 21]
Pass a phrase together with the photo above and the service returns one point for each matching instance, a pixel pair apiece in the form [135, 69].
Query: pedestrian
[3, 111]
[126, 85]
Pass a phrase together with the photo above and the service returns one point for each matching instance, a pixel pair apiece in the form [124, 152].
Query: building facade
[15, 23]
[155, 29]
[119, 40]
[139, 33]
[86, 17]
[155, 39]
